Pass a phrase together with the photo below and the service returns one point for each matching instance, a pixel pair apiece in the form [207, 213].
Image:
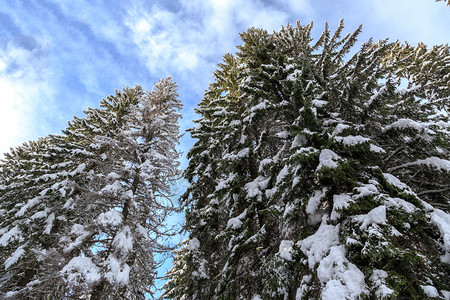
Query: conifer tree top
[84, 212]
[317, 173]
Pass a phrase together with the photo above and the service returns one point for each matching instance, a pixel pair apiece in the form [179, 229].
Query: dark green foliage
[307, 176]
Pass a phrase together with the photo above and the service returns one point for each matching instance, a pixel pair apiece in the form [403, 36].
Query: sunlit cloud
[82, 50]
[70, 63]
[23, 72]
[190, 41]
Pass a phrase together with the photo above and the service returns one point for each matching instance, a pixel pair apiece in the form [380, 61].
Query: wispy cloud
[58, 57]
[23, 72]
[53, 63]
[190, 40]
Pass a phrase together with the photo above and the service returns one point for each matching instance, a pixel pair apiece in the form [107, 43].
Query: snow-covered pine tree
[84, 211]
[23, 228]
[427, 72]
[307, 178]
[218, 129]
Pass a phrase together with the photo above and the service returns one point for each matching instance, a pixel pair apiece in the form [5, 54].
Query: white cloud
[19, 105]
[190, 42]
[70, 63]
[94, 47]
[22, 82]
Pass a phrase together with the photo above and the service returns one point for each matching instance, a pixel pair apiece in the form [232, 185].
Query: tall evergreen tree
[83, 212]
[318, 175]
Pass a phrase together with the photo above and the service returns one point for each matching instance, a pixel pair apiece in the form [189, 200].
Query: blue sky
[59, 57]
